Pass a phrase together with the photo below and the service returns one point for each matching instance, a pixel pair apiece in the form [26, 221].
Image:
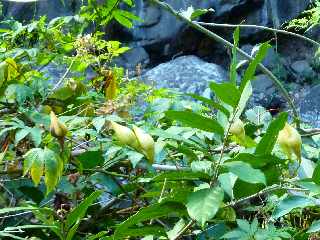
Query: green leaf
[128, 2]
[213, 232]
[226, 92]
[37, 170]
[181, 176]
[196, 121]
[112, 89]
[9, 235]
[72, 231]
[17, 228]
[37, 158]
[227, 181]
[266, 144]
[202, 166]
[245, 172]
[243, 189]
[128, 15]
[2, 155]
[153, 211]
[316, 174]
[79, 212]
[91, 159]
[62, 93]
[52, 169]
[173, 233]
[36, 136]
[203, 204]
[250, 72]
[311, 186]
[211, 103]
[97, 236]
[3, 69]
[123, 20]
[134, 157]
[18, 93]
[12, 70]
[244, 98]
[166, 135]
[146, 231]
[21, 134]
[16, 209]
[198, 12]
[315, 227]
[34, 160]
[290, 203]
[256, 161]
[233, 67]
[98, 123]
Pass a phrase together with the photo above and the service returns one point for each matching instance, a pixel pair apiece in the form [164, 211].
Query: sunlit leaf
[204, 204]
[196, 121]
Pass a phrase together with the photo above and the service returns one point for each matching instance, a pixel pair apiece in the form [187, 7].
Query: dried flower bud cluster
[84, 45]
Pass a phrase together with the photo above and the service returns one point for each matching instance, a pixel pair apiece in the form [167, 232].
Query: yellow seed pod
[237, 129]
[146, 143]
[57, 129]
[125, 135]
[290, 141]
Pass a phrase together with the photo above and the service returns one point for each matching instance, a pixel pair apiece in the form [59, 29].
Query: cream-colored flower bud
[237, 129]
[125, 135]
[57, 129]
[290, 141]
[146, 142]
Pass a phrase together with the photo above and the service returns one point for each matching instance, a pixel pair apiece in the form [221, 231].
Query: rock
[310, 106]
[159, 26]
[187, 74]
[24, 10]
[302, 67]
[273, 13]
[132, 58]
[263, 85]
[264, 92]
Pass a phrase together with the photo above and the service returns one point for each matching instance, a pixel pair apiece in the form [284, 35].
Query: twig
[107, 172]
[309, 132]
[274, 30]
[159, 167]
[226, 43]
[225, 138]
[162, 167]
[163, 189]
[63, 77]
[264, 191]
[186, 228]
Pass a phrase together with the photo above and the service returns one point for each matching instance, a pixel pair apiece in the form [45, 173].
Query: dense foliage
[93, 154]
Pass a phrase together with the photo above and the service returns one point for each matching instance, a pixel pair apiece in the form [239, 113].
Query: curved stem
[274, 30]
[219, 39]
